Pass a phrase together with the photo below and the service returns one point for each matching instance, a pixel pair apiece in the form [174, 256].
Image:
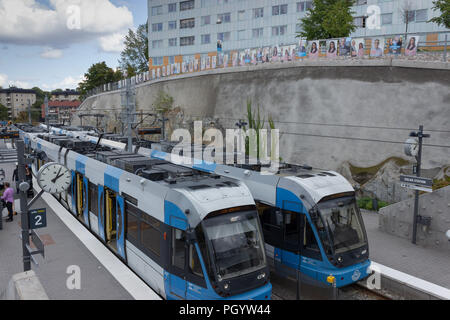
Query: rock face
[397, 219]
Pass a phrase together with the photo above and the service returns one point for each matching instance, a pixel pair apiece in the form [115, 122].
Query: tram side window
[178, 248]
[194, 262]
[292, 227]
[132, 226]
[310, 246]
[150, 234]
[93, 198]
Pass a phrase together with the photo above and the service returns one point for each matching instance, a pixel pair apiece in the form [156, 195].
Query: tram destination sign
[419, 181]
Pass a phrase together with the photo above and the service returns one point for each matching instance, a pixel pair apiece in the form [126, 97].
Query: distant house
[16, 100]
[60, 112]
[68, 95]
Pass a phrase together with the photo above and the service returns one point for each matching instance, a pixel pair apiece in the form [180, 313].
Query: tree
[98, 74]
[134, 58]
[444, 7]
[328, 19]
[3, 113]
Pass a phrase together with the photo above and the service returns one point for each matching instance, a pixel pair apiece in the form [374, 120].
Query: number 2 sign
[37, 218]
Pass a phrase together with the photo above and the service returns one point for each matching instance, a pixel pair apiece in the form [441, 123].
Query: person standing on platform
[8, 199]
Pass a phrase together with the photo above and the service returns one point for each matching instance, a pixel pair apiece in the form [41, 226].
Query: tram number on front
[37, 218]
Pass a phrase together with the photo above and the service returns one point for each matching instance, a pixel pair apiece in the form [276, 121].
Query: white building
[189, 27]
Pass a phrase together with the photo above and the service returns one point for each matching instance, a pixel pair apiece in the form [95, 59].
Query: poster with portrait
[354, 47]
[213, 62]
[274, 56]
[158, 73]
[301, 49]
[411, 45]
[284, 54]
[164, 71]
[394, 45]
[331, 49]
[203, 63]
[377, 48]
[153, 74]
[313, 49]
[344, 46]
[191, 65]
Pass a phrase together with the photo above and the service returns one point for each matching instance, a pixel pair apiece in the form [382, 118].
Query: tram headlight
[261, 276]
[226, 286]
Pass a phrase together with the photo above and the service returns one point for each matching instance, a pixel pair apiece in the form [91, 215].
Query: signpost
[413, 148]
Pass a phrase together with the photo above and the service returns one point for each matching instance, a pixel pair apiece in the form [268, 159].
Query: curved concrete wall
[384, 93]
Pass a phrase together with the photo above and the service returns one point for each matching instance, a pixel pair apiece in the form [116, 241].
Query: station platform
[400, 254]
[65, 247]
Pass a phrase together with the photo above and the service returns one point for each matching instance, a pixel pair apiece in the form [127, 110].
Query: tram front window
[342, 220]
[236, 245]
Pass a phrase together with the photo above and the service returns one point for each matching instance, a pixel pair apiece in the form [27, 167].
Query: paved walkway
[400, 254]
[62, 249]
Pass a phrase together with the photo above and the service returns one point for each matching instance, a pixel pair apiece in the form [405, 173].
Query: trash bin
[375, 204]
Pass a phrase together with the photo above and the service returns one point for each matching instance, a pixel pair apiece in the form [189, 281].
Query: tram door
[114, 222]
[82, 210]
[101, 212]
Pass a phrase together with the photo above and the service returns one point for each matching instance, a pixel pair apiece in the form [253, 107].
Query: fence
[434, 48]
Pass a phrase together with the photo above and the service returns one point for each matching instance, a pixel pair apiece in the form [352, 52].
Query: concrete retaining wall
[385, 93]
[397, 219]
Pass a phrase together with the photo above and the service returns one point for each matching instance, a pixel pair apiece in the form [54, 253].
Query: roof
[75, 103]
[65, 93]
[17, 90]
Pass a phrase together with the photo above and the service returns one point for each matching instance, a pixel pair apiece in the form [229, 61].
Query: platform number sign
[37, 218]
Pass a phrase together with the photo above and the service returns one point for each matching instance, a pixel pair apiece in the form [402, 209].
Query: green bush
[367, 203]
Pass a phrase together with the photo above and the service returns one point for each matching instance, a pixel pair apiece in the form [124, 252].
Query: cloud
[67, 83]
[5, 83]
[50, 53]
[113, 43]
[3, 80]
[63, 22]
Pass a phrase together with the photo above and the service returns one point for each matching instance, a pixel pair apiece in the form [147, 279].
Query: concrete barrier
[25, 286]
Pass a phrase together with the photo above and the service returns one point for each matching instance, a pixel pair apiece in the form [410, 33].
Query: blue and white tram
[187, 234]
[311, 222]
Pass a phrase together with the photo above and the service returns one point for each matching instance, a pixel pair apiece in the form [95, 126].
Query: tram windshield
[236, 244]
[341, 225]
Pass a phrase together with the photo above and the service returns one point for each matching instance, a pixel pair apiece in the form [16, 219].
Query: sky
[50, 44]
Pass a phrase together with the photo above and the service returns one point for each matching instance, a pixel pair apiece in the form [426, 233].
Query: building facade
[16, 100]
[193, 27]
[60, 112]
[67, 95]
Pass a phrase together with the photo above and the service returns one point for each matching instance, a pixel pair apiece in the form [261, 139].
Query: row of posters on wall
[345, 47]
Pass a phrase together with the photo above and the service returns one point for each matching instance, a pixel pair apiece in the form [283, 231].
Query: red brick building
[60, 111]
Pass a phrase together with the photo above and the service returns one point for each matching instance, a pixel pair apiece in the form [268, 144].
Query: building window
[157, 61]
[171, 59]
[361, 2]
[172, 25]
[187, 23]
[173, 42]
[360, 22]
[172, 7]
[187, 41]
[241, 15]
[241, 35]
[258, 33]
[156, 44]
[206, 20]
[421, 15]
[224, 17]
[187, 5]
[206, 38]
[156, 27]
[304, 5]
[156, 11]
[224, 36]
[278, 10]
[386, 18]
[258, 13]
[223, 2]
[279, 31]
